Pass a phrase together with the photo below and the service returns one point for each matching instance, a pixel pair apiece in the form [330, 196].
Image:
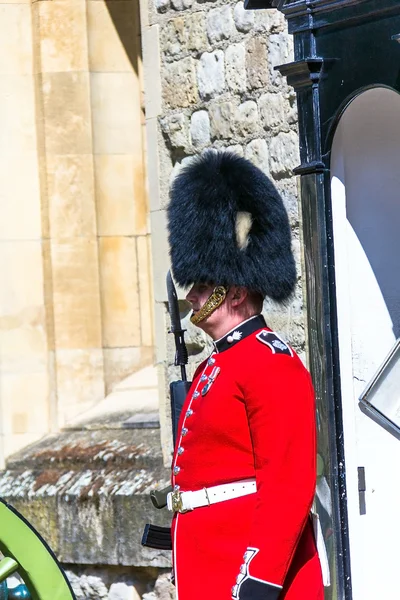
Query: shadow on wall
[126, 19]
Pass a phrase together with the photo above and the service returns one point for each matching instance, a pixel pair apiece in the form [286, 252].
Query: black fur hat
[228, 225]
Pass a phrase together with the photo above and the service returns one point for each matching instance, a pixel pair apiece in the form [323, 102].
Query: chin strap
[214, 301]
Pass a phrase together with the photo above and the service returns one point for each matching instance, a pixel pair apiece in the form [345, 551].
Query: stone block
[160, 253]
[88, 587]
[246, 118]
[181, 4]
[235, 68]
[121, 197]
[17, 105]
[200, 129]
[244, 19]
[77, 318]
[153, 163]
[16, 56]
[236, 149]
[121, 590]
[61, 37]
[220, 24]
[80, 382]
[280, 52]
[269, 21]
[284, 154]
[116, 113]
[19, 391]
[94, 515]
[112, 32]
[179, 84]
[145, 290]
[21, 267]
[174, 37]
[151, 76]
[70, 189]
[257, 152]
[66, 109]
[162, 6]
[256, 63]
[196, 32]
[271, 107]
[20, 202]
[211, 74]
[288, 190]
[119, 291]
[42, 513]
[222, 118]
[122, 362]
[176, 128]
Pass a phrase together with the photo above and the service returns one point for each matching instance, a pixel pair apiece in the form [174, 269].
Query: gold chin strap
[213, 302]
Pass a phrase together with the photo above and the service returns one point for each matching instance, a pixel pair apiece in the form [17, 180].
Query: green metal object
[26, 551]
[8, 566]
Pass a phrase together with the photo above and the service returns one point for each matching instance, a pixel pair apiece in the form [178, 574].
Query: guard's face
[199, 294]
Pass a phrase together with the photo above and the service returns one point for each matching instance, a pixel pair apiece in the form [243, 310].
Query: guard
[244, 466]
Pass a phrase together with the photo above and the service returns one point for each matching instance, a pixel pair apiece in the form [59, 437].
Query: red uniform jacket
[255, 420]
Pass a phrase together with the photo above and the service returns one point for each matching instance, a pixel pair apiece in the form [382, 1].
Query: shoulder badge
[277, 345]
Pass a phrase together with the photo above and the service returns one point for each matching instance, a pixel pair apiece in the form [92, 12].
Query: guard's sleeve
[281, 413]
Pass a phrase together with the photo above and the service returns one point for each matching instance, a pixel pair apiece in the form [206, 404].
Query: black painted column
[305, 76]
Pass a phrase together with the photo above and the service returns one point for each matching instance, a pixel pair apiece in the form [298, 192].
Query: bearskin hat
[228, 226]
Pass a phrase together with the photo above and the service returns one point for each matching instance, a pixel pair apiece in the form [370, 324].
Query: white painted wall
[365, 170]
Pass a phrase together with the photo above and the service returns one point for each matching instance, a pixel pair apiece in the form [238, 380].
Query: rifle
[154, 536]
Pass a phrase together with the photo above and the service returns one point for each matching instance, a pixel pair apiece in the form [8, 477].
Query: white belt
[183, 501]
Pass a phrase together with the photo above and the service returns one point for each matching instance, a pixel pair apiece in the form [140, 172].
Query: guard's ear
[239, 295]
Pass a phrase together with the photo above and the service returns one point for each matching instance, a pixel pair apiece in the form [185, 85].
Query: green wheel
[26, 552]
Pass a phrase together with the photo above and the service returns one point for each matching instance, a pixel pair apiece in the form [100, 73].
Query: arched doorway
[365, 184]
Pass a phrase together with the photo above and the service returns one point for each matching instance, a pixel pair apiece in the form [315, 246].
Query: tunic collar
[239, 332]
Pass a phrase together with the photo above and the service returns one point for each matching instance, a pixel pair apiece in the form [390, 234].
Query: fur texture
[205, 199]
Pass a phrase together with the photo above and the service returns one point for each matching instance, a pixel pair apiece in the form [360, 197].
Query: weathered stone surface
[162, 5]
[175, 126]
[269, 21]
[163, 589]
[93, 487]
[200, 129]
[220, 24]
[181, 4]
[257, 63]
[196, 32]
[288, 191]
[257, 152]
[280, 52]
[246, 119]
[121, 590]
[236, 149]
[174, 37]
[284, 155]
[235, 67]
[222, 120]
[87, 587]
[211, 74]
[271, 110]
[244, 19]
[180, 86]
[120, 583]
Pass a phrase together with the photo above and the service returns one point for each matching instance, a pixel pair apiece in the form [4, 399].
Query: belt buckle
[177, 503]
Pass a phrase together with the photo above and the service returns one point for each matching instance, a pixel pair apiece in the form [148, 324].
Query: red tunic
[257, 420]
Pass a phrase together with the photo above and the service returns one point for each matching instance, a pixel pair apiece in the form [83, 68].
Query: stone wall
[76, 298]
[210, 82]
[98, 583]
